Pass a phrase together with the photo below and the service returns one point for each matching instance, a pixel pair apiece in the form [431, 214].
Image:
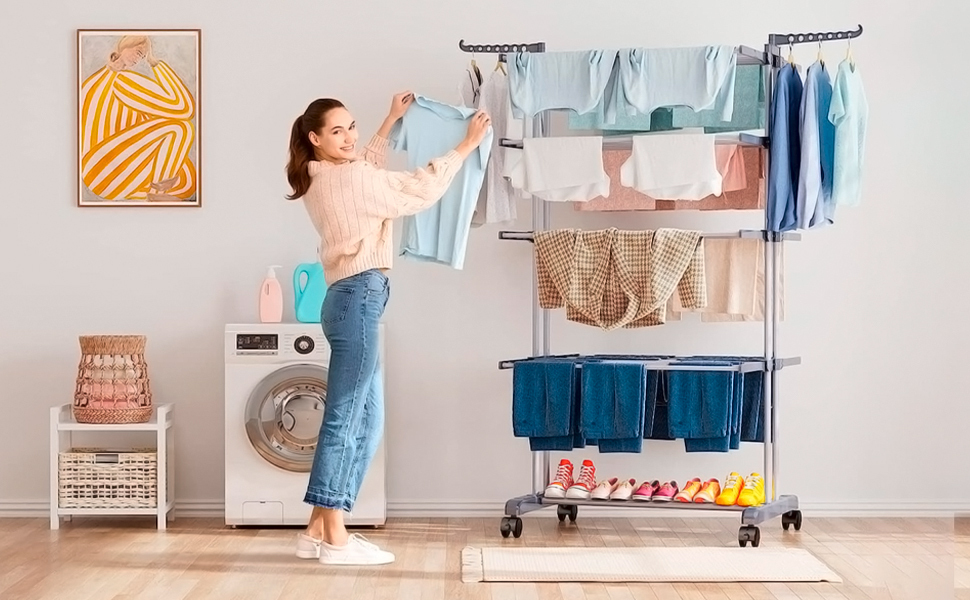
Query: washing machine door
[284, 413]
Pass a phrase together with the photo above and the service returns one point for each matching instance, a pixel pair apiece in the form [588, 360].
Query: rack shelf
[625, 142]
[656, 364]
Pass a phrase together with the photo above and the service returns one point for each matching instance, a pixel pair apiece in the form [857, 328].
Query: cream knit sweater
[353, 205]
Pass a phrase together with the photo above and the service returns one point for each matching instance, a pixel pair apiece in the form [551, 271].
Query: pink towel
[743, 184]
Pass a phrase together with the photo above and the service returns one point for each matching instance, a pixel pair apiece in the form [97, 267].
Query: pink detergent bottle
[271, 298]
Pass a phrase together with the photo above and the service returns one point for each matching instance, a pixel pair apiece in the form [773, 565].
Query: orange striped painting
[139, 117]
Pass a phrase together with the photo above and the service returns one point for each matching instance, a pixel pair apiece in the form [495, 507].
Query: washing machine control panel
[258, 342]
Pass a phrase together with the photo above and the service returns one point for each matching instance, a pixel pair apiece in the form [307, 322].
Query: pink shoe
[666, 492]
[646, 491]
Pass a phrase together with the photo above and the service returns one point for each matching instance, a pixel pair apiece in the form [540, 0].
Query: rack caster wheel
[563, 511]
[511, 526]
[749, 533]
[792, 518]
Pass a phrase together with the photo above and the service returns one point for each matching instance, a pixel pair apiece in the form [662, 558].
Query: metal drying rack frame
[775, 505]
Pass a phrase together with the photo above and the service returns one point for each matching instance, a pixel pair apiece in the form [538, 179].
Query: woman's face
[129, 57]
[336, 141]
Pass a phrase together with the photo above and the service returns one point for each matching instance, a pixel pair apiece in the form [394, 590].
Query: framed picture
[139, 117]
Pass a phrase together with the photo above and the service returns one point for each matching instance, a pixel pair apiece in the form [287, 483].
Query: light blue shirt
[785, 150]
[428, 130]
[699, 78]
[850, 115]
[558, 80]
[814, 207]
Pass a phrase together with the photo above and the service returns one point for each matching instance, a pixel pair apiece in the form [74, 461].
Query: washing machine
[276, 391]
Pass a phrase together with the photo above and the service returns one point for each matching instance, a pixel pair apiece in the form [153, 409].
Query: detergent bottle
[271, 298]
[309, 289]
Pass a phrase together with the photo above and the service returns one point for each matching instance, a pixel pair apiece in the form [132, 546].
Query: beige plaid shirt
[611, 278]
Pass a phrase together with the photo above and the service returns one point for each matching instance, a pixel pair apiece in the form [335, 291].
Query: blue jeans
[353, 418]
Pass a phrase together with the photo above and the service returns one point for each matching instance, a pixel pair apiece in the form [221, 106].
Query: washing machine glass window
[284, 414]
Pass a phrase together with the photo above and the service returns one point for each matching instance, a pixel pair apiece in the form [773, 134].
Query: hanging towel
[496, 201]
[562, 169]
[813, 206]
[850, 115]
[751, 197]
[731, 270]
[732, 163]
[752, 407]
[785, 150]
[545, 402]
[759, 294]
[698, 78]
[613, 404]
[673, 167]
[546, 80]
[430, 129]
[612, 279]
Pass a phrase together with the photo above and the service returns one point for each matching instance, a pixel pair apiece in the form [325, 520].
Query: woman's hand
[478, 127]
[399, 105]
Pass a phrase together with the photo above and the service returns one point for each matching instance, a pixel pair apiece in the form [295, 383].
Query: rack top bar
[684, 363]
[529, 236]
[625, 142]
[746, 55]
[788, 39]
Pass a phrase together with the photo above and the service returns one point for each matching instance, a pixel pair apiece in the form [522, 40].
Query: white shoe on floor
[358, 551]
[307, 547]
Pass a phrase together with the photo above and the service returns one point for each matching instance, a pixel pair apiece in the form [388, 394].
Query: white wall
[876, 417]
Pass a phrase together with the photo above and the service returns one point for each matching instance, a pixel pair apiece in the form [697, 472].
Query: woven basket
[97, 478]
[112, 380]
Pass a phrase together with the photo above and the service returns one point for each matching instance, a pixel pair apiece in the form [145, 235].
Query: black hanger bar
[751, 234]
[788, 39]
[501, 49]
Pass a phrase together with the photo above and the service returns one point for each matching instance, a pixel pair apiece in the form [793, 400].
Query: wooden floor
[111, 559]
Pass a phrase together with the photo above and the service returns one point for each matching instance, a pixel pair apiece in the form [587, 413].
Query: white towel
[562, 169]
[673, 167]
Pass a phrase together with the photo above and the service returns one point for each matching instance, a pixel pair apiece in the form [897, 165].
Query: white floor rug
[643, 564]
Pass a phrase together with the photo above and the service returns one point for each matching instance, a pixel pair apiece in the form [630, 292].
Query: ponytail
[301, 150]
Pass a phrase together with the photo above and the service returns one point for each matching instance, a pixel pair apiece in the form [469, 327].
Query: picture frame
[139, 117]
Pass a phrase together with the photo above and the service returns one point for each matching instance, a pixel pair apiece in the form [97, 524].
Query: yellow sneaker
[709, 492]
[753, 493]
[732, 489]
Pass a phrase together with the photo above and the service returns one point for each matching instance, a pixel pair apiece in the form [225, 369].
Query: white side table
[63, 427]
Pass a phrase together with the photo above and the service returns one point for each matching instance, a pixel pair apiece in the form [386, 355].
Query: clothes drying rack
[784, 506]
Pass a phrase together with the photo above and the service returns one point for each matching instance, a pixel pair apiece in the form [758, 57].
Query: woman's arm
[375, 152]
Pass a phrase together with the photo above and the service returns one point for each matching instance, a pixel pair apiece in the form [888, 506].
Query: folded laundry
[562, 169]
[611, 279]
[673, 167]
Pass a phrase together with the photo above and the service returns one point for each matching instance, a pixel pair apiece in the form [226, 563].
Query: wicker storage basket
[112, 380]
[95, 478]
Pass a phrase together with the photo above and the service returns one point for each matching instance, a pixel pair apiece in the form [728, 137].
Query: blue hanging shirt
[785, 150]
[430, 129]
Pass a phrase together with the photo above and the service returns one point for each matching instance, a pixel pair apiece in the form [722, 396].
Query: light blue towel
[428, 130]
[814, 207]
[556, 80]
[785, 150]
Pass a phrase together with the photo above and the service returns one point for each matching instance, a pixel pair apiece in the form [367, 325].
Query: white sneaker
[307, 547]
[624, 491]
[605, 489]
[358, 551]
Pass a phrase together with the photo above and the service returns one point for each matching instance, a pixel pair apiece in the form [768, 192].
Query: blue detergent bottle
[309, 289]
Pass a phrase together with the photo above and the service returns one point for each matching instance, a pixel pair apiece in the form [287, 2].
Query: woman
[353, 201]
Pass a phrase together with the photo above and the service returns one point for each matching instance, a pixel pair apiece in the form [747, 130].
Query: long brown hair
[301, 150]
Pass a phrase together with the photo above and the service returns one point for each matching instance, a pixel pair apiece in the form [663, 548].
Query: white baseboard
[471, 509]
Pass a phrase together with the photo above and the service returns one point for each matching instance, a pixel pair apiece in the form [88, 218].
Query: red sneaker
[583, 487]
[562, 482]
